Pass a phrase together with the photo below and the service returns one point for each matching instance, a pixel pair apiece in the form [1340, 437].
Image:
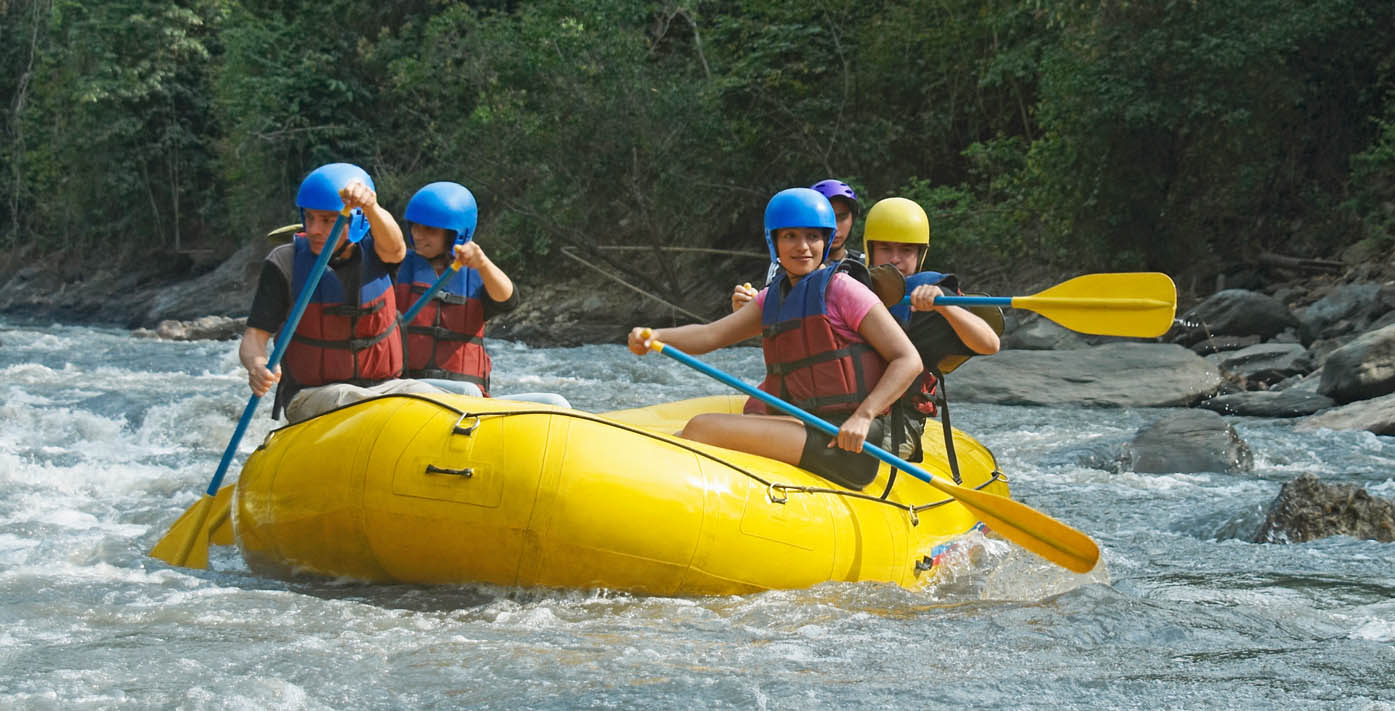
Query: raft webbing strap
[943, 397]
[770, 485]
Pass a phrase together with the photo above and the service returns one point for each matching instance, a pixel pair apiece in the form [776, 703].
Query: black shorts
[852, 470]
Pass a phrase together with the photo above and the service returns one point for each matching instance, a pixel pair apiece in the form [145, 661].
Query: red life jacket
[446, 337]
[340, 340]
[806, 362]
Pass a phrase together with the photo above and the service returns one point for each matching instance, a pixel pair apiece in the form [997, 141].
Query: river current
[106, 438]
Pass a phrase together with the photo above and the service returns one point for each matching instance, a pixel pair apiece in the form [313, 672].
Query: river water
[105, 439]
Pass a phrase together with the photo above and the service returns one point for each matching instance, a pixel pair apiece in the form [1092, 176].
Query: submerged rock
[1186, 442]
[1307, 509]
[207, 328]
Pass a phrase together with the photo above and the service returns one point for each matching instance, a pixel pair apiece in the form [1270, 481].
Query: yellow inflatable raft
[452, 489]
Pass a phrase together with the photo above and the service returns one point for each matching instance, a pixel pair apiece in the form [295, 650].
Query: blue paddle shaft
[820, 424]
[283, 340]
[435, 287]
[947, 300]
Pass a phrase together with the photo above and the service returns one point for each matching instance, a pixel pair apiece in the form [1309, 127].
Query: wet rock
[1102, 454]
[1307, 509]
[1346, 308]
[1376, 415]
[1191, 441]
[1233, 312]
[1034, 333]
[207, 328]
[1221, 344]
[1268, 403]
[1362, 369]
[1263, 364]
[1114, 374]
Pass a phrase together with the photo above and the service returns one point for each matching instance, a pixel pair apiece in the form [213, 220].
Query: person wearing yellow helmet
[897, 235]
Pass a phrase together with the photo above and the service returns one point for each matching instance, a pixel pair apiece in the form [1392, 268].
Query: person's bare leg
[779, 438]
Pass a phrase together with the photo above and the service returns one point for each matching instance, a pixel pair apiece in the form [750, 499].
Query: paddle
[455, 266]
[1139, 304]
[1017, 522]
[186, 543]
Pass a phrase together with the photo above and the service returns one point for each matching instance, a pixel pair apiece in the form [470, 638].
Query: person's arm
[252, 352]
[388, 243]
[972, 330]
[699, 338]
[881, 331]
[496, 283]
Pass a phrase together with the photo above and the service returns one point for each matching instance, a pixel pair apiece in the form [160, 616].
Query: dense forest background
[1185, 135]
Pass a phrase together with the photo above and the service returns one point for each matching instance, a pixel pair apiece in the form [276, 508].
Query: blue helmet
[799, 207]
[320, 191]
[450, 206]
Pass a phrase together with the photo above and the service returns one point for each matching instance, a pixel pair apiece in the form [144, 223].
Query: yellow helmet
[896, 219]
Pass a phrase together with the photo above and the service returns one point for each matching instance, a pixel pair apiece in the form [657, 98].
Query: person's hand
[358, 195]
[853, 433]
[469, 255]
[640, 338]
[923, 298]
[742, 295]
[260, 379]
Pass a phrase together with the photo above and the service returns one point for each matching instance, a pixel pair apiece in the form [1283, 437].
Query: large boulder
[1268, 403]
[1362, 369]
[1114, 374]
[1307, 509]
[1346, 308]
[1233, 312]
[1376, 415]
[1034, 333]
[1185, 442]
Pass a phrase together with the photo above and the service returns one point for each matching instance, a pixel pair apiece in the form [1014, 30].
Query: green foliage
[1103, 134]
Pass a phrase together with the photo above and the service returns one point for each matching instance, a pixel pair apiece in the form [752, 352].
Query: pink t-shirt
[848, 301]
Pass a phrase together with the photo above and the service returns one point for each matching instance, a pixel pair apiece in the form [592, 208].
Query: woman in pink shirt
[830, 347]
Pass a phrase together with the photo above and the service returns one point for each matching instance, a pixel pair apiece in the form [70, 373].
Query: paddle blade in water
[1027, 527]
[186, 543]
[1138, 304]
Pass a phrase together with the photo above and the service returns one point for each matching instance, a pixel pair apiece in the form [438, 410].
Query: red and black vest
[341, 338]
[921, 395]
[446, 337]
[806, 362]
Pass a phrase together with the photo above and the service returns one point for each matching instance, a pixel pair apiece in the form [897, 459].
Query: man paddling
[347, 347]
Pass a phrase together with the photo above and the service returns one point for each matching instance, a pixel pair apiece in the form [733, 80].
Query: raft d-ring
[467, 431]
[915, 518]
[770, 493]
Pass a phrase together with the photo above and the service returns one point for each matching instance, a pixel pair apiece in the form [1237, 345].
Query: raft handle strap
[467, 431]
[467, 472]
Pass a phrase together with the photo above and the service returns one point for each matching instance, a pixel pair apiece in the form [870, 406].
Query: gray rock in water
[1191, 441]
[1263, 364]
[1114, 374]
[1362, 369]
[207, 328]
[1219, 344]
[1376, 415]
[1233, 312]
[1268, 403]
[1343, 309]
[1307, 509]
[1039, 334]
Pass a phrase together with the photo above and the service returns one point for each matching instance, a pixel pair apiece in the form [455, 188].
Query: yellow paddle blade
[186, 543]
[220, 530]
[1139, 304]
[1027, 527]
